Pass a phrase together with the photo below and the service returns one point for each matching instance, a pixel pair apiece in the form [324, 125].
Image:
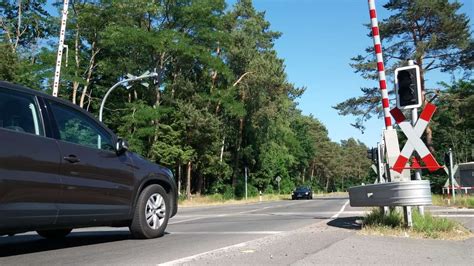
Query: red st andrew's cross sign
[414, 142]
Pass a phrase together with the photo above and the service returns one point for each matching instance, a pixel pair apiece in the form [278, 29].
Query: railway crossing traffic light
[408, 87]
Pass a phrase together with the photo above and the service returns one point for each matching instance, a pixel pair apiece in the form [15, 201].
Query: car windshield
[303, 189]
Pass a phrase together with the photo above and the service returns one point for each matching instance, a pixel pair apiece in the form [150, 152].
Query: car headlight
[306, 193]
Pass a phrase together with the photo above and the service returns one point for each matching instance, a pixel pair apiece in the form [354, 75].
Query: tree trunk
[75, 84]
[179, 178]
[241, 130]
[157, 103]
[222, 149]
[89, 100]
[94, 52]
[18, 28]
[199, 184]
[188, 181]
[237, 154]
[428, 130]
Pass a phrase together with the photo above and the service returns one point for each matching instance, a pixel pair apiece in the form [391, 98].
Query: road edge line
[192, 257]
[340, 211]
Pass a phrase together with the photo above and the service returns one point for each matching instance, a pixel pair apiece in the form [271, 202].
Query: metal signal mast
[60, 48]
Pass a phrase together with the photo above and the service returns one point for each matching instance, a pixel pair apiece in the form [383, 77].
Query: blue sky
[319, 38]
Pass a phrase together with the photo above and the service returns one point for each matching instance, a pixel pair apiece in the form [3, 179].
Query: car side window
[19, 112]
[77, 128]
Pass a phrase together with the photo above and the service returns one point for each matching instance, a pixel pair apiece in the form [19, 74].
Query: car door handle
[72, 159]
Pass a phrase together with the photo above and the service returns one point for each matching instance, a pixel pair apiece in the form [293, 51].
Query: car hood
[141, 163]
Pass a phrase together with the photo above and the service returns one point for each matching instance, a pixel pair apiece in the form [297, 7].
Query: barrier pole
[380, 64]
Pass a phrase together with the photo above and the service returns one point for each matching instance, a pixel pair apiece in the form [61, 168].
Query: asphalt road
[192, 231]
[301, 232]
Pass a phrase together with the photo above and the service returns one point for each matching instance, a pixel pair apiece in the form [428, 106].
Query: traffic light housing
[408, 87]
[447, 160]
[372, 155]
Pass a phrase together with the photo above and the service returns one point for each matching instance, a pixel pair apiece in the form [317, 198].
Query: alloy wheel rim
[155, 210]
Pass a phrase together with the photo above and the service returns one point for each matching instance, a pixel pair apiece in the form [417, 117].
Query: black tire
[54, 234]
[139, 227]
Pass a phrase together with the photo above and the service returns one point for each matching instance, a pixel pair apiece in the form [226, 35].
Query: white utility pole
[246, 178]
[451, 173]
[62, 33]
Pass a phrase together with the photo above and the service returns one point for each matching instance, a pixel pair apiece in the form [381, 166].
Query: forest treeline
[221, 103]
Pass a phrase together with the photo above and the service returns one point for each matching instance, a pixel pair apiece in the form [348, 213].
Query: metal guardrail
[406, 193]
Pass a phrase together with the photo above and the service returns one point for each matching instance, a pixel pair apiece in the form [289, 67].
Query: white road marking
[188, 220]
[229, 233]
[250, 214]
[190, 258]
[340, 211]
[233, 214]
[451, 210]
[239, 245]
[315, 213]
[455, 215]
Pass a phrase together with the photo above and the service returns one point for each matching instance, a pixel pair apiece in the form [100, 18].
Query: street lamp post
[144, 76]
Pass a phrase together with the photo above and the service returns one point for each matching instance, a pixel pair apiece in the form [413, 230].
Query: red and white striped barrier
[414, 141]
[380, 64]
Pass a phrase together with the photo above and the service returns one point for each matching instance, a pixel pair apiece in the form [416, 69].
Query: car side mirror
[121, 146]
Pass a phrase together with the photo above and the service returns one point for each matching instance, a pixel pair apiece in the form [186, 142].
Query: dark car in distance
[302, 193]
[60, 169]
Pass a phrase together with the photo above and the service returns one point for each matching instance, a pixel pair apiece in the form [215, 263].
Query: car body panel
[29, 177]
[101, 183]
[101, 189]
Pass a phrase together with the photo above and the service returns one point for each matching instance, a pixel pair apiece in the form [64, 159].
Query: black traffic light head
[408, 87]
[372, 154]
[447, 160]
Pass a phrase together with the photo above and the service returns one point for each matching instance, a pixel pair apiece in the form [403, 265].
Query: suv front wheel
[151, 213]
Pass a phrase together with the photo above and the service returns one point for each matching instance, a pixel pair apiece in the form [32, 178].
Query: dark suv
[61, 169]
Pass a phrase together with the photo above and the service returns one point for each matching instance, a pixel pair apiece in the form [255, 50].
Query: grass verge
[462, 201]
[218, 199]
[375, 223]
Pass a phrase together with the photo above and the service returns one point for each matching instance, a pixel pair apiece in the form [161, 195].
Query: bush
[216, 197]
[470, 202]
[269, 190]
[286, 186]
[227, 192]
[240, 191]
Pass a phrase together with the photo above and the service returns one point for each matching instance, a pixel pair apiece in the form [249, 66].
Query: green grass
[462, 201]
[425, 226]
[432, 226]
[376, 218]
[218, 199]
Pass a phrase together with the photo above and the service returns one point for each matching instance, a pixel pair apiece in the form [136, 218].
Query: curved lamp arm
[154, 74]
